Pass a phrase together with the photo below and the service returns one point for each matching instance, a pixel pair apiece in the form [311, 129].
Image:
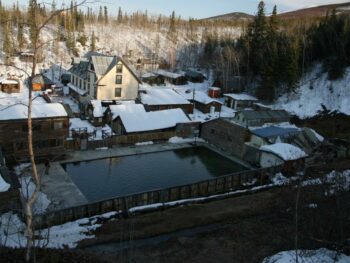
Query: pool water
[120, 176]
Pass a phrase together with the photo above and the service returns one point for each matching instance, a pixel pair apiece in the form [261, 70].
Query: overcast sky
[194, 8]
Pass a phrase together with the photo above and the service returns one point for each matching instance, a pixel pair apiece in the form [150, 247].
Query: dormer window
[119, 68]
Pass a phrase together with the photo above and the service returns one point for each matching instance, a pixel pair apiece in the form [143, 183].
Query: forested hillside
[270, 56]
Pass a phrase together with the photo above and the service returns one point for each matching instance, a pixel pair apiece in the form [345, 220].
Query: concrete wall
[218, 185]
[226, 135]
[106, 85]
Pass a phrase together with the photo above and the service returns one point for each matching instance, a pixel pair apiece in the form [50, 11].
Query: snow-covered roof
[3, 185]
[285, 151]
[20, 111]
[9, 81]
[168, 74]
[148, 75]
[199, 96]
[126, 109]
[162, 97]
[136, 119]
[76, 89]
[241, 96]
[98, 110]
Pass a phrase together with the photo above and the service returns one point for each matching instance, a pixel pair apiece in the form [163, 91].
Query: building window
[80, 83]
[118, 92]
[57, 125]
[118, 79]
[119, 68]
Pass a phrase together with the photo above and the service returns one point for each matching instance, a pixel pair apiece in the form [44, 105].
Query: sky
[194, 8]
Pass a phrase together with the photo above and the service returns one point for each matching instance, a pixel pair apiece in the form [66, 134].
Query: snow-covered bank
[318, 93]
[315, 256]
[12, 232]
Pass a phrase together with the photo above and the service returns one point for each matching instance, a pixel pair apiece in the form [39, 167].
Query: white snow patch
[12, 232]
[316, 256]
[285, 151]
[144, 143]
[27, 189]
[317, 90]
[184, 140]
[3, 185]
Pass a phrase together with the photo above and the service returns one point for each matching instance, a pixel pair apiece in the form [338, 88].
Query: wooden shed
[10, 86]
[40, 82]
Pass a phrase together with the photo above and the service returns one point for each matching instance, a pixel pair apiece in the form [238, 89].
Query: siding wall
[227, 136]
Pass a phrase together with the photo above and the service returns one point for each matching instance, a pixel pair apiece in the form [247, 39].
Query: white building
[104, 78]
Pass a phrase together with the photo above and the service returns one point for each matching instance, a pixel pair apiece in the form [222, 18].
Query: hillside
[317, 94]
[316, 11]
[238, 16]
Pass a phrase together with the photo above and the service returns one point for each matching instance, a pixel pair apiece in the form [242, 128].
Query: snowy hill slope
[316, 94]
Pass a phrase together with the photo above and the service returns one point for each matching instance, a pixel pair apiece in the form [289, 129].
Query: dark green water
[120, 176]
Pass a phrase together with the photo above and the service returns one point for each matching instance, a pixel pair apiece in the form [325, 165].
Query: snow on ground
[321, 255]
[204, 117]
[12, 232]
[3, 185]
[184, 140]
[27, 189]
[315, 91]
[144, 143]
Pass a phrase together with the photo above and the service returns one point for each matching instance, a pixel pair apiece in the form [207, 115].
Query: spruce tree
[93, 42]
[120, 16]
[105, 15]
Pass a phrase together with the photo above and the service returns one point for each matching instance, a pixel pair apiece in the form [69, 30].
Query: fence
[223, 184]
[123, 139]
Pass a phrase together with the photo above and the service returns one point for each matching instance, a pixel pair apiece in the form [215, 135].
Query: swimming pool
[120, 176]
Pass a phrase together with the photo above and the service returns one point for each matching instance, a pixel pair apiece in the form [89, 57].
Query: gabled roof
[169, 74]
[274, 131]
[285, 151]
[80, 69]
[199, 96]
[265, 114]
[20, 111]
[42, 79]
[102, 64]
[194, 74]
[165, 96]
[98, 109]
[136, 119]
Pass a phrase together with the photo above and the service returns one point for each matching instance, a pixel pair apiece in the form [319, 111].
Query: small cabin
[163, 99]
[194, 76]
[40, 83]
[259, 118]
[201, 101]
[172, 78]
[10, 86]
[239, 101]
[153, 79]
[291, 157]
[26, 57]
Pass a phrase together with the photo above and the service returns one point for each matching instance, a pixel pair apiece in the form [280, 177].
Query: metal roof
[265, 114]
[274, 131]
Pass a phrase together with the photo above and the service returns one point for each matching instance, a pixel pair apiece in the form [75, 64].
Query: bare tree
[37, 23]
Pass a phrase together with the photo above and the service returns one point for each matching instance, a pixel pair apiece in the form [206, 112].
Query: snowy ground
[308, 256]
[12, 229]
[316, 91]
